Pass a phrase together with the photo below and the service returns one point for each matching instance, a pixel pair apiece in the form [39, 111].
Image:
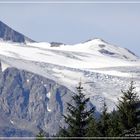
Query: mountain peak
[8, 34]
[96, 40]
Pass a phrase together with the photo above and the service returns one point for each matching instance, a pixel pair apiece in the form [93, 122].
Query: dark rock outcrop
[8, 34]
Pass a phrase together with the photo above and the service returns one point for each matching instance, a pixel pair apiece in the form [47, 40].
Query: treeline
[122, 122]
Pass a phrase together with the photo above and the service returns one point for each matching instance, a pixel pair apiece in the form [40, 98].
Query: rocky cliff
[29, 103]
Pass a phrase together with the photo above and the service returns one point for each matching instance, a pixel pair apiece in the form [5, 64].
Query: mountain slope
[8, 34]
[96, 62]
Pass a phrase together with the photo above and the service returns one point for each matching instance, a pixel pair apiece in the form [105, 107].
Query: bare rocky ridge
[8, 34]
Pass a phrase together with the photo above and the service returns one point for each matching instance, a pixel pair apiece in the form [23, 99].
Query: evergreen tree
[114, 127]
[62, 132]
[78, 116]
[104, 122]
[127, 110]
[92, 128]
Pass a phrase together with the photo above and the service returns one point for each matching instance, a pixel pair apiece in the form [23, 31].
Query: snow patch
[4, 66]
[48, 108]
[49, 95]
[114, 73]
[12, 122]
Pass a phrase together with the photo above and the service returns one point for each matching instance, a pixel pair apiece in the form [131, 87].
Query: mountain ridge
[9, 34]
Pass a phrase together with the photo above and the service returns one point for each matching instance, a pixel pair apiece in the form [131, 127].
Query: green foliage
[62, 132]
[114, 128]
[127, 110]
[104, 122]
[78, 116]
[92, 128]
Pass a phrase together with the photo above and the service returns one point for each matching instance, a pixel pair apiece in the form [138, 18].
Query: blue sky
[72, 23]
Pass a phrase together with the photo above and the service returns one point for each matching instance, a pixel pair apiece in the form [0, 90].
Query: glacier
[102, 67]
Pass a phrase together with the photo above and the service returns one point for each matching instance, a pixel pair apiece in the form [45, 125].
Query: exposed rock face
[29, 102]
[56, 44]
[8, 34]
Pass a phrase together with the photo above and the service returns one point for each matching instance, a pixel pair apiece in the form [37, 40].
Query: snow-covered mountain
[8, 34]
[46, 75]
[67, 64]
